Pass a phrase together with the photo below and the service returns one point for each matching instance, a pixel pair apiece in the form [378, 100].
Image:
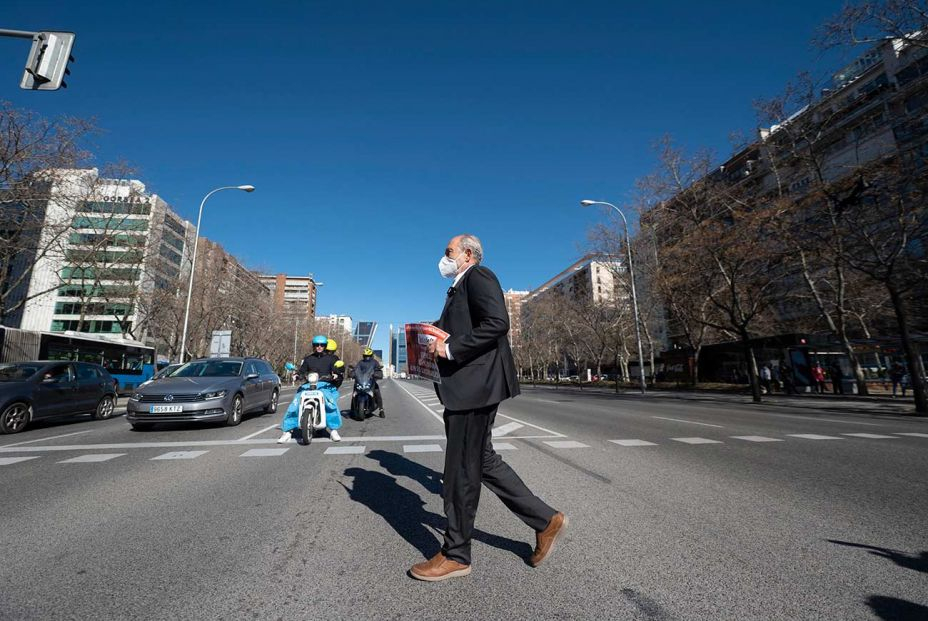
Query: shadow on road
[405, 511]
[918, 562]
[895, 609]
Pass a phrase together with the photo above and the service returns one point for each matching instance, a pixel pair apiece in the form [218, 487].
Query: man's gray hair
[470, 242]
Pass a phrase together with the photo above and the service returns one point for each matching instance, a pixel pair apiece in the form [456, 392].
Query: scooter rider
[367, 363]
[326, 365]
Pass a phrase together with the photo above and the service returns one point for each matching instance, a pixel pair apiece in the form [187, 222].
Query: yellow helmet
[331, 345]
[368, 351]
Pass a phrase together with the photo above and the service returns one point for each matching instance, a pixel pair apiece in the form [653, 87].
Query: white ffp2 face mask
[448, 267]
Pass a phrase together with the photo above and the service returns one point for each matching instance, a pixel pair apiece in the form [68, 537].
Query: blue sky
[376, 130]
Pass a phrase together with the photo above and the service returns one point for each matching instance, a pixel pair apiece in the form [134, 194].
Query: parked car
[40, 389]
[209, 389]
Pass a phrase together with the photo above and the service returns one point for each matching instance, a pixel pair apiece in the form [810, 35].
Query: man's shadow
[918, 562]
[405, 511]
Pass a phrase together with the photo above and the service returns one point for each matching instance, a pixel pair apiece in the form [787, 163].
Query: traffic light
[48, 61]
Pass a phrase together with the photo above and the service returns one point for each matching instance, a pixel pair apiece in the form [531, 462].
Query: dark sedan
[212, 389]
[44, 389]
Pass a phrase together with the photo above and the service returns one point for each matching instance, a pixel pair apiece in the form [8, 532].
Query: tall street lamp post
[193, 264]
[631, 275]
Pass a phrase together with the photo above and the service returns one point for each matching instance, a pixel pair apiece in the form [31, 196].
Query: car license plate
[164, 409]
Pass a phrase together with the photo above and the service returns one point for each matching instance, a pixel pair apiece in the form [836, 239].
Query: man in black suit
[477, 373]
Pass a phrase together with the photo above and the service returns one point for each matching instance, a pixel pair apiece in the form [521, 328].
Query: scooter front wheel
[306, 428]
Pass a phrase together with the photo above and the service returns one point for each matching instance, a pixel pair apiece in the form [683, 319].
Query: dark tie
[451, 291]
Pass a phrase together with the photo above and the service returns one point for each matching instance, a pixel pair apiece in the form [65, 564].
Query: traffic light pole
[19, 34]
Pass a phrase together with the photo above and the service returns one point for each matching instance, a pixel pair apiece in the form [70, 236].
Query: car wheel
[15, 417]
[235, 412]
[105, 408]
[272, 406]
[142, 426]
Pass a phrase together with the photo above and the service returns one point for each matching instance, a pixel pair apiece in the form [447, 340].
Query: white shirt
[457, 279]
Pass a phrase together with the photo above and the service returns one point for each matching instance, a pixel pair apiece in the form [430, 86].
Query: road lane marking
[870, 436]
[757, 439]
[813, 436]
[696, 440]
[265, 452]
[554, 433]
[566, 444]
[6, 461]
[421, 448]
[344, 450]
[504, 446]
[691, 422]
[258, 433]
[427, 408]
[914, 435]
[633, 443]
[253, 441]
[64, 435]
[180, 455]
[93, 458]
[504, 429]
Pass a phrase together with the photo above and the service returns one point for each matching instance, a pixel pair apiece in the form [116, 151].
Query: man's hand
[438, 348]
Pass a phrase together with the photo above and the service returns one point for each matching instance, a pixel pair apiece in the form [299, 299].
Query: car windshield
[18, 372]
[167, 371]
[209, 368]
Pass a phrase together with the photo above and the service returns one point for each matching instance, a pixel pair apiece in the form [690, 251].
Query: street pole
[193, 264]
[631, 275]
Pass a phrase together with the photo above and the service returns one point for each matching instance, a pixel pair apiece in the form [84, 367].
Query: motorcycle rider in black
[322, 362]
[367, 363]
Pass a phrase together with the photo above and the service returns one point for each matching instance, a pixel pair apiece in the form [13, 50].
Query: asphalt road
[703, 508]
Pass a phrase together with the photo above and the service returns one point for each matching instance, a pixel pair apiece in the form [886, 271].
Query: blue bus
[129, 362]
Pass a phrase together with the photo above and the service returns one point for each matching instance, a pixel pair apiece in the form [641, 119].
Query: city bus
[129, 362]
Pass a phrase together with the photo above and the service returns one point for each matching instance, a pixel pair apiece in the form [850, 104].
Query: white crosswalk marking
[914, 435]
[180, 455]
[344, 450]
[265, 452]
[6, 461]
[503, 446]
[870, 436]
[507, 428]
[696, 440]
[421, 448]
[633, 443]
[757, 439]
[92, 458]
[813, 436]
[566, 444]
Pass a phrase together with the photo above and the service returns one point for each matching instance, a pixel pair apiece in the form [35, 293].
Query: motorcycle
[362, 399]
[312, 409]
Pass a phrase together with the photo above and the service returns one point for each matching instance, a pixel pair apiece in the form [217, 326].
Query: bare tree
[870, 22]
[31, 149]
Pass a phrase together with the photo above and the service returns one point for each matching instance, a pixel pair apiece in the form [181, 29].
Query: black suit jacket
[482, 372]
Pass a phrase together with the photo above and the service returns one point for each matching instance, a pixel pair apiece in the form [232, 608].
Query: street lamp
[193, 265]
[631, 275]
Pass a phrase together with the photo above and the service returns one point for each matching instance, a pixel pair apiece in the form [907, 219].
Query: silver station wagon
[206, 390]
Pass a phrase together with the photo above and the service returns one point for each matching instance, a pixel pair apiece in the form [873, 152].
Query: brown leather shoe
[439, 567]
[546, 539]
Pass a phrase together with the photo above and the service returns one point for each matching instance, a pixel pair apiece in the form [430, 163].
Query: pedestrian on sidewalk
[896, 373]
[837, 378]
[818, 376]
[765, 378]
[477, 373]
[786, 373]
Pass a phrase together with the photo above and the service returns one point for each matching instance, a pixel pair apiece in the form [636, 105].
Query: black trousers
[469, 461]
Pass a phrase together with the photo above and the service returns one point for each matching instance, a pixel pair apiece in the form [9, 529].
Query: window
[86, 372]
[109, 224]
[58, 374]
[174, 241]
[174, 225]
[116, 207]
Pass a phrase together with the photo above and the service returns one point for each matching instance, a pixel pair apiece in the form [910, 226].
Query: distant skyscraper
[364, 333]
[398, 350]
